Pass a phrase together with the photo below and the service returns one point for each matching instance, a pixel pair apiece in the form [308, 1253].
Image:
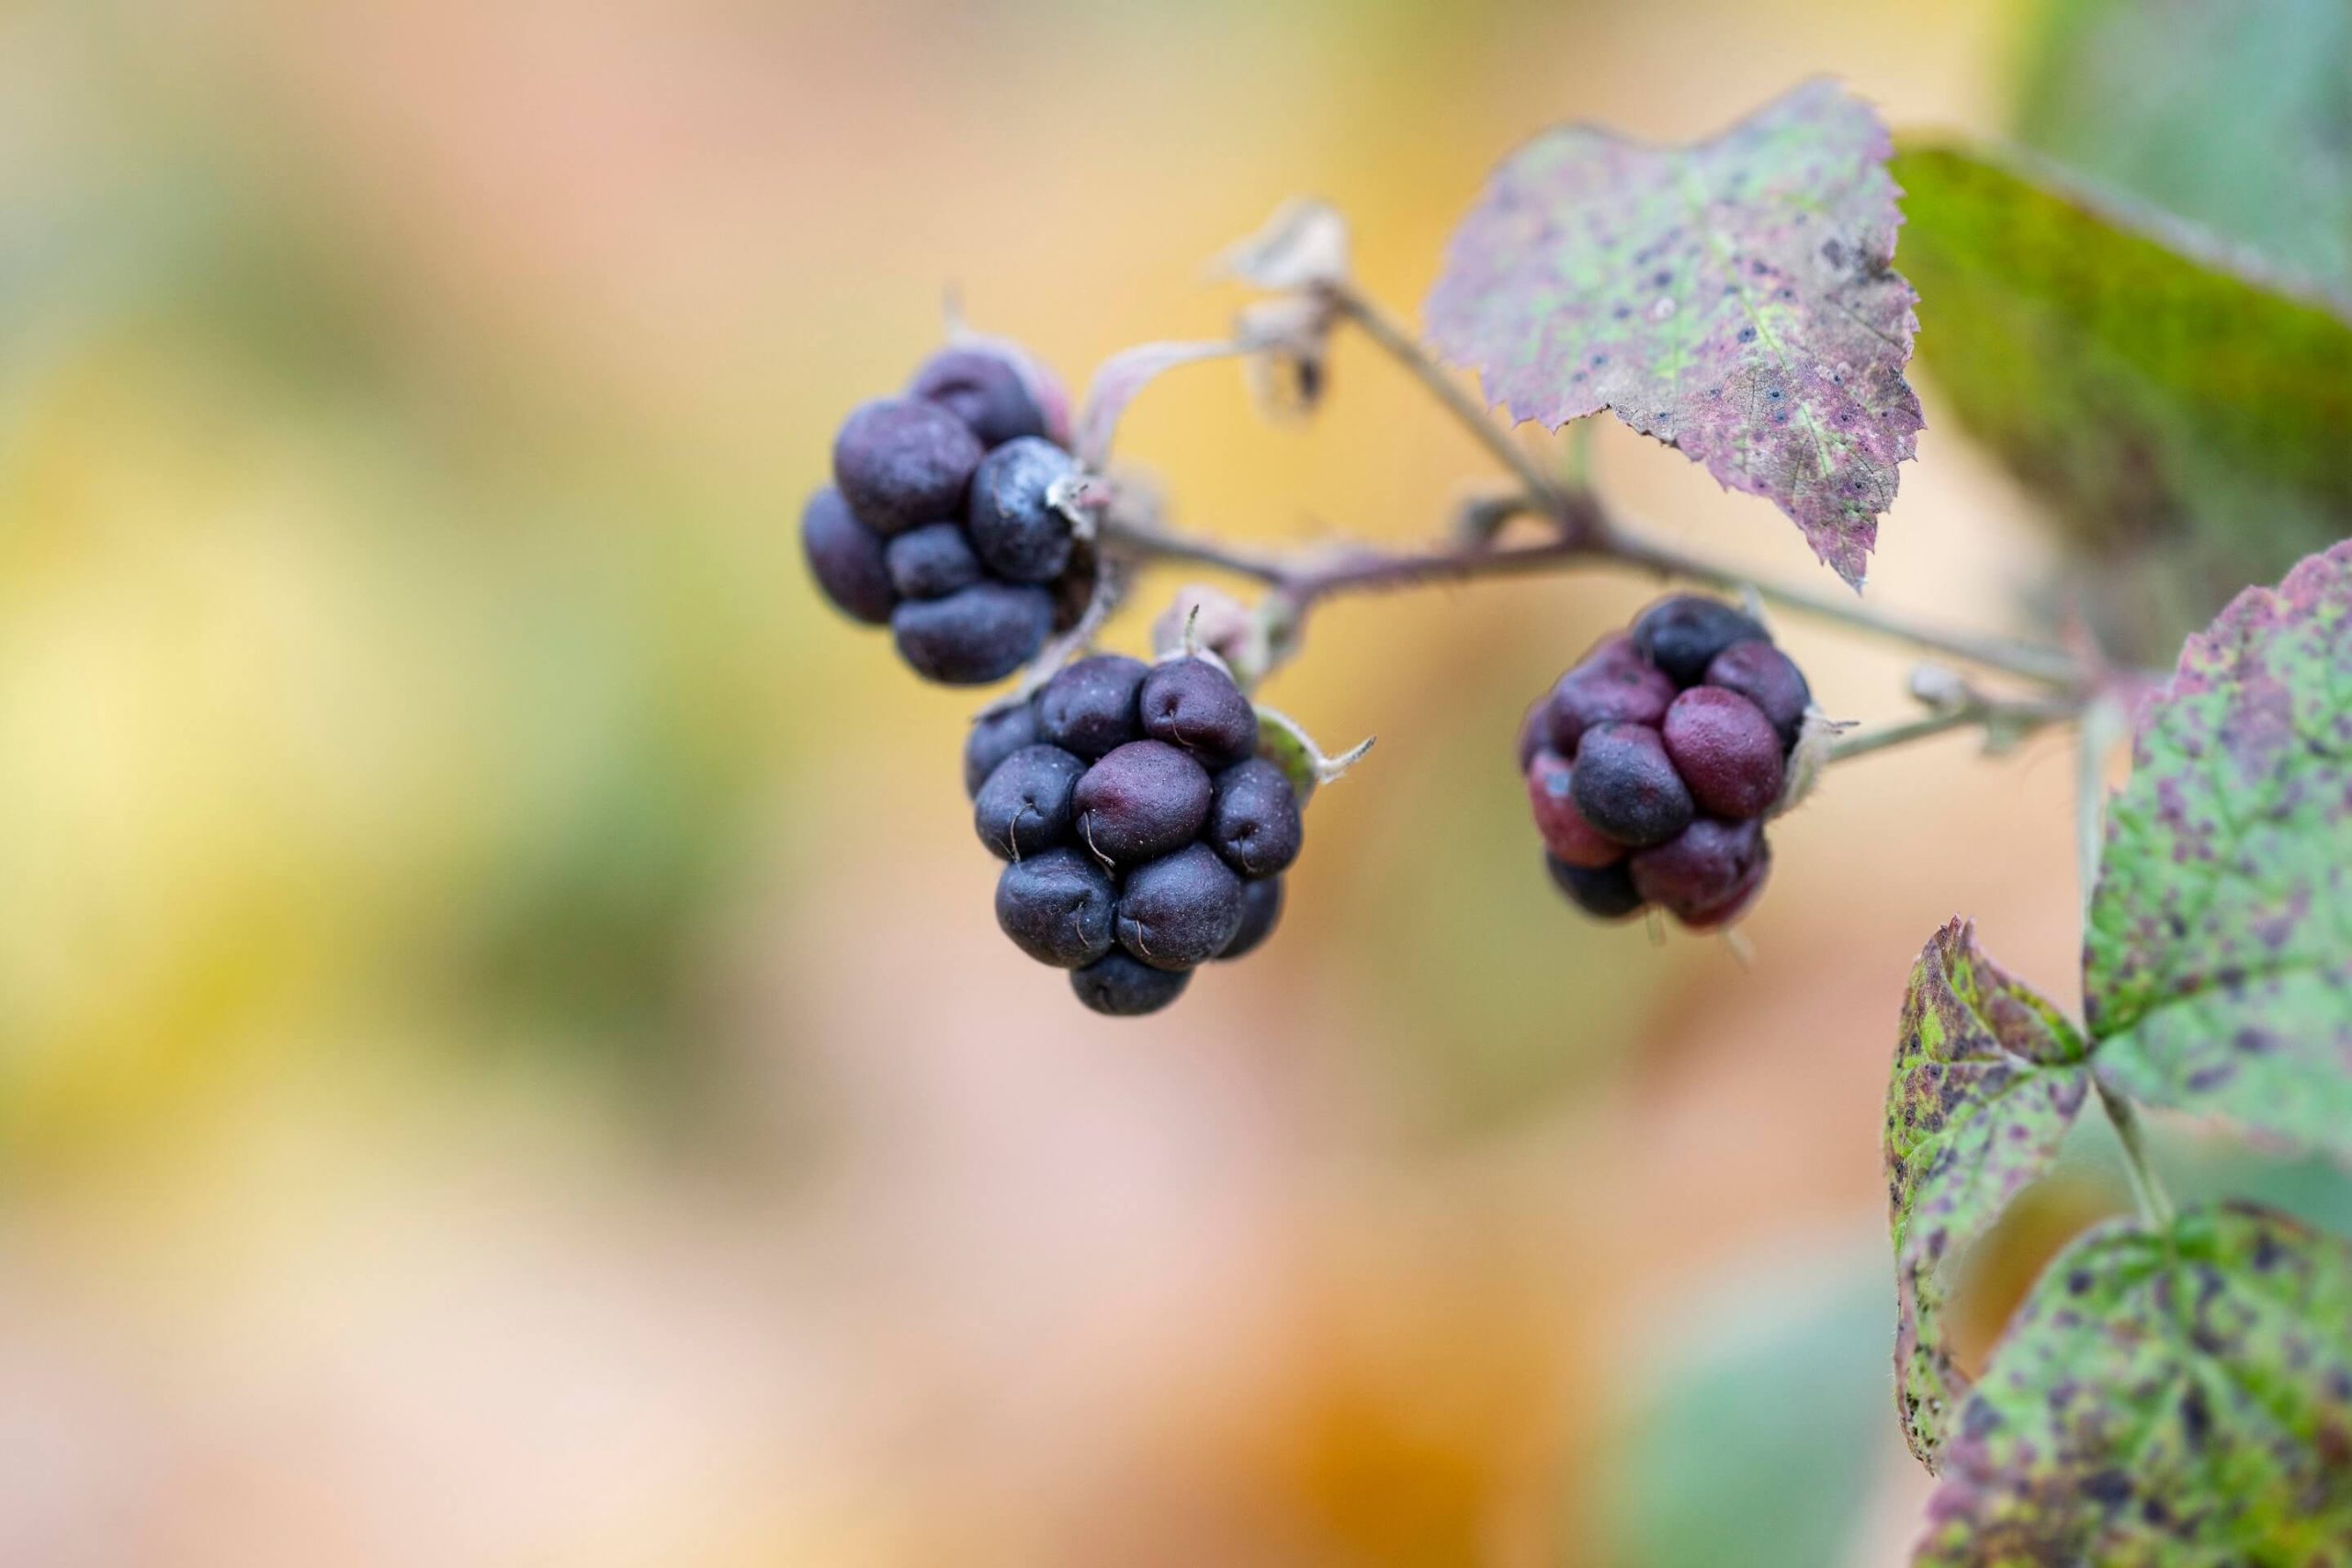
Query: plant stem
[2021, 719]
[1395, 339]
[1306, 577]
[2147, 1187]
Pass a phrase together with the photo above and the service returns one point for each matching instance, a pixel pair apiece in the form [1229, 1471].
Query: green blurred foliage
[2237, 117]
[2189, 422]
[1761, 1441]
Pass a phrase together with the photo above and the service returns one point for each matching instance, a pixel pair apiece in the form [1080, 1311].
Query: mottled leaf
[2217, 962]
[2186, 417]
[2236, 117]
[1987, 1077]
[2180, 1400]
[1735, 298]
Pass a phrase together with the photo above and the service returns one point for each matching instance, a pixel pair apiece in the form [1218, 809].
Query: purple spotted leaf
[1736, 298]
[1987, 1078]
[2178, 1400]
[2218, 961]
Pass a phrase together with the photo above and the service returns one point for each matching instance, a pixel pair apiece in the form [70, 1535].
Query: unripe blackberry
[1262, 910]
[1626, 786]
[1142, 801]
[1025, 807]
[1015, 527]
[996, 735]
[1193, 704]
[1000, 399]
[846, 558]
[1706, 873]
[1089, 708]
[1769, 679]
[1254, 819]
[974, 636]
[1057, 906]
[901, 463]
[1120, 987]
[1181, 911]
[1566, 835]
[1607, 690]
[1725, 749]
[931, 561]
[1606, 892]
[1681, 636]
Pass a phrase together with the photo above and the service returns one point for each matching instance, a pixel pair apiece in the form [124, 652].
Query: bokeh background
[505, 1054]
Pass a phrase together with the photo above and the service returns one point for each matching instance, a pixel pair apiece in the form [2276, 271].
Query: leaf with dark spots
[1736, 298]
[1987, 1078]
[2218, 961]
[2188, 1408]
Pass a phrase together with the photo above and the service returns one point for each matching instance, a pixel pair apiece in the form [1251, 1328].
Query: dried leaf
[1736, 298]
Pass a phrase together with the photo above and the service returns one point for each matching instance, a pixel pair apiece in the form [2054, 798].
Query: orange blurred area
[504, 1052]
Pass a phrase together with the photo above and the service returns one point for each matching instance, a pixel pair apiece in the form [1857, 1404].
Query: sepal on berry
[1284, 742]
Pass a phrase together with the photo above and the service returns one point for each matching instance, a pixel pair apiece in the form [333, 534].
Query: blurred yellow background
[505, 1054]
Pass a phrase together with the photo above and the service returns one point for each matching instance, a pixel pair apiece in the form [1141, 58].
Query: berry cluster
[1144, 835]
[939, 521]
[1651, 763]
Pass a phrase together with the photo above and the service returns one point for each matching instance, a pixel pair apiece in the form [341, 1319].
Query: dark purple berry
[1089, 708]
[1706, 873]
[1180, 910]
[931, 561]
[845, 558]
[986, 390]
[980, 634]
[1769, 679]
[1261, 907]
[996, 735]
[1119, 986]
[901, 463]
[1606, 892]
[1253, 820]
[1018, 533]
[1607, 690]
[1566, 835]
[1025, 805]
[1682, 635]
[1140, 802]
[1626, 786]
[1195, 705]
[1725, 749]
[1056, 907]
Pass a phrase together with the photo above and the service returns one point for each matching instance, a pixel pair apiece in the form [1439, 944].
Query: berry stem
[2008, 720]
[1305, 579]
[1395, 339]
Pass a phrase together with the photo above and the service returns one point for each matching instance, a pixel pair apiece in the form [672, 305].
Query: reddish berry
[1566, 834]
[1769, 679]
[1705, 875]
[1725, 749]
[1607, 690]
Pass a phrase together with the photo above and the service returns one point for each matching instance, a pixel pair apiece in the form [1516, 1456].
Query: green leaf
[1735, 298]
[2181, 412]
[1987, 1077]
[2218, 963]
[2237, 117]
[2161, 1401]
